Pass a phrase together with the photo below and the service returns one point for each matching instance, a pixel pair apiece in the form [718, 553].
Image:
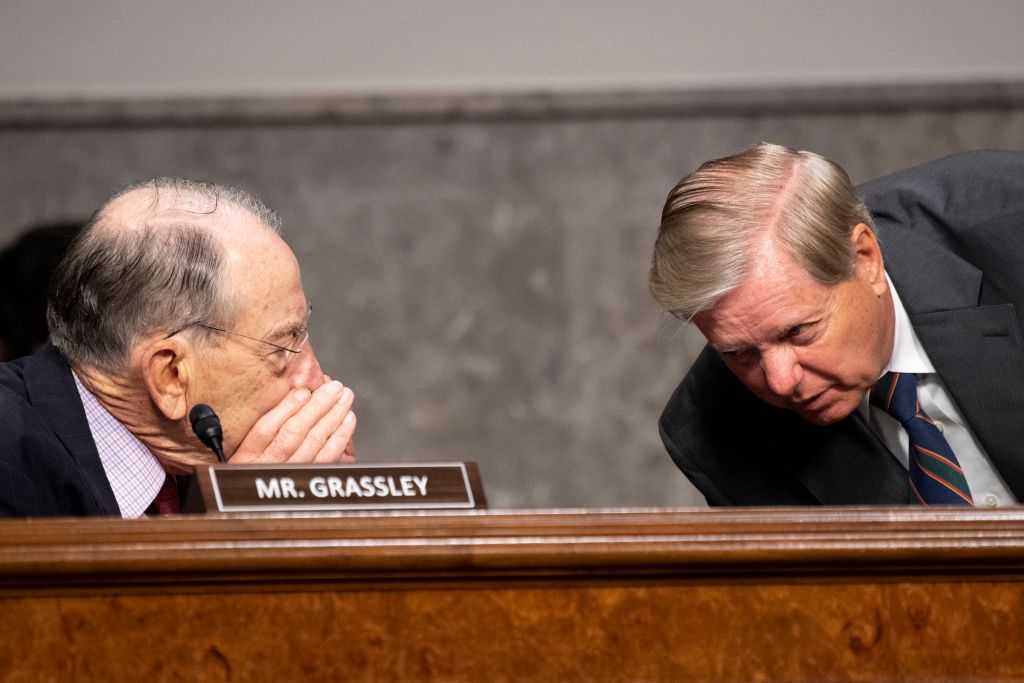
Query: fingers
[304, 427]
[338, 448]
[308, 431]
[263, 433]
[326, 438]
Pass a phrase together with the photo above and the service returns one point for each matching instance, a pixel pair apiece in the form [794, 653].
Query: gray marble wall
[478, 269]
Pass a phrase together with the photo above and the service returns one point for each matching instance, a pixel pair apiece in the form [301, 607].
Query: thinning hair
[159, 271]
[713, 218]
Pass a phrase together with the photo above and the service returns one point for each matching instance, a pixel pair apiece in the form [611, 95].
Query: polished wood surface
[674, 595]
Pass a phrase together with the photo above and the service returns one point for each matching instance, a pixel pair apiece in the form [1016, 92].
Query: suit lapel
[51, 390]
[846, 464]
[977, 350]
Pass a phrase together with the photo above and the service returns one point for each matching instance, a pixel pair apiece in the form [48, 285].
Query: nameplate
[304, 488]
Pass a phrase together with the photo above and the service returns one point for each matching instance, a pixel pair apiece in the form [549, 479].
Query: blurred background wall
[473, 189]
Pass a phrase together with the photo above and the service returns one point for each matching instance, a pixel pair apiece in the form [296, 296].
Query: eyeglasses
[298, 340]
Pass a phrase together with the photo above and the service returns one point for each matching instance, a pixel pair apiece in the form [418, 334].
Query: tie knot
[896, 394]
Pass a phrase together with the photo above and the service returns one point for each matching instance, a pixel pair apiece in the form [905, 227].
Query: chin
[827, 415]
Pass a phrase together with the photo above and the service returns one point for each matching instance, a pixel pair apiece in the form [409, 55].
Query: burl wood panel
[625, 596]
[853, 632]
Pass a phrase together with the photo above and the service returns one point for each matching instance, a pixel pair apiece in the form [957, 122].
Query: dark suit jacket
[952, 233]
[48, 460]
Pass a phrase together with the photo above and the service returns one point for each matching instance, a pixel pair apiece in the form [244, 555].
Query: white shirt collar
[908, 355]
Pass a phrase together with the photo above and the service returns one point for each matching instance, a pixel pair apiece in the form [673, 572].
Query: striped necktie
[935, 474]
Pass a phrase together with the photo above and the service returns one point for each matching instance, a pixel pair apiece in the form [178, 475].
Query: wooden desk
[673, 595]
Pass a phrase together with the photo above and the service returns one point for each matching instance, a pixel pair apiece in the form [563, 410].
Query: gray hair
[121, 281]
[713, 216]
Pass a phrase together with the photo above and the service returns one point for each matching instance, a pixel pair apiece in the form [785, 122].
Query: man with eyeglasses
[177, 293]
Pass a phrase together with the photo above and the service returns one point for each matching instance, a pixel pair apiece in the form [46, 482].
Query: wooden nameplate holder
[320, 488]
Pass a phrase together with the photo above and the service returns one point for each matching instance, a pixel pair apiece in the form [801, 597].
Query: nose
[782, 371]
[307, 372]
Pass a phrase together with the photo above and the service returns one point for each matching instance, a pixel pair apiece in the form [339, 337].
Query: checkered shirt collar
[134, 473]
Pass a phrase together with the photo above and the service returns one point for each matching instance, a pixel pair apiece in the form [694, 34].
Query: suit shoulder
[38, 475]
[968, 167]
[720, 436]
[949, 194]
[12, 377]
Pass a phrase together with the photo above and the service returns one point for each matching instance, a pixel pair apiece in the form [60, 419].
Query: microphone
[206, 425]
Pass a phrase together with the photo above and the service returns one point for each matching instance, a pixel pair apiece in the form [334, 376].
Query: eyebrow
[290, 328]
[729, 347]
[778, 335]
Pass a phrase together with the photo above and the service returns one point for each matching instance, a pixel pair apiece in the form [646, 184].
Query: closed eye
[804, 332]
[735, 355]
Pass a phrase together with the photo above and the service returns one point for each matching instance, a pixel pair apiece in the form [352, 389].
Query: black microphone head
[206, 424]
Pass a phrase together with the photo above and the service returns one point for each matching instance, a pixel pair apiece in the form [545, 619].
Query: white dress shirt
[987, 488]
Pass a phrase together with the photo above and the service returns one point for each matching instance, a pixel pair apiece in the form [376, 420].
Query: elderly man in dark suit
[176, 293]
[863, 348]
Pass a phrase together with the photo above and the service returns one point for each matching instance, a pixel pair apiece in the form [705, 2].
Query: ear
[166, 369]
[868, 254]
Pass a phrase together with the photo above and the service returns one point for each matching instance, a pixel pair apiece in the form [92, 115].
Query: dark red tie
[167, 501]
